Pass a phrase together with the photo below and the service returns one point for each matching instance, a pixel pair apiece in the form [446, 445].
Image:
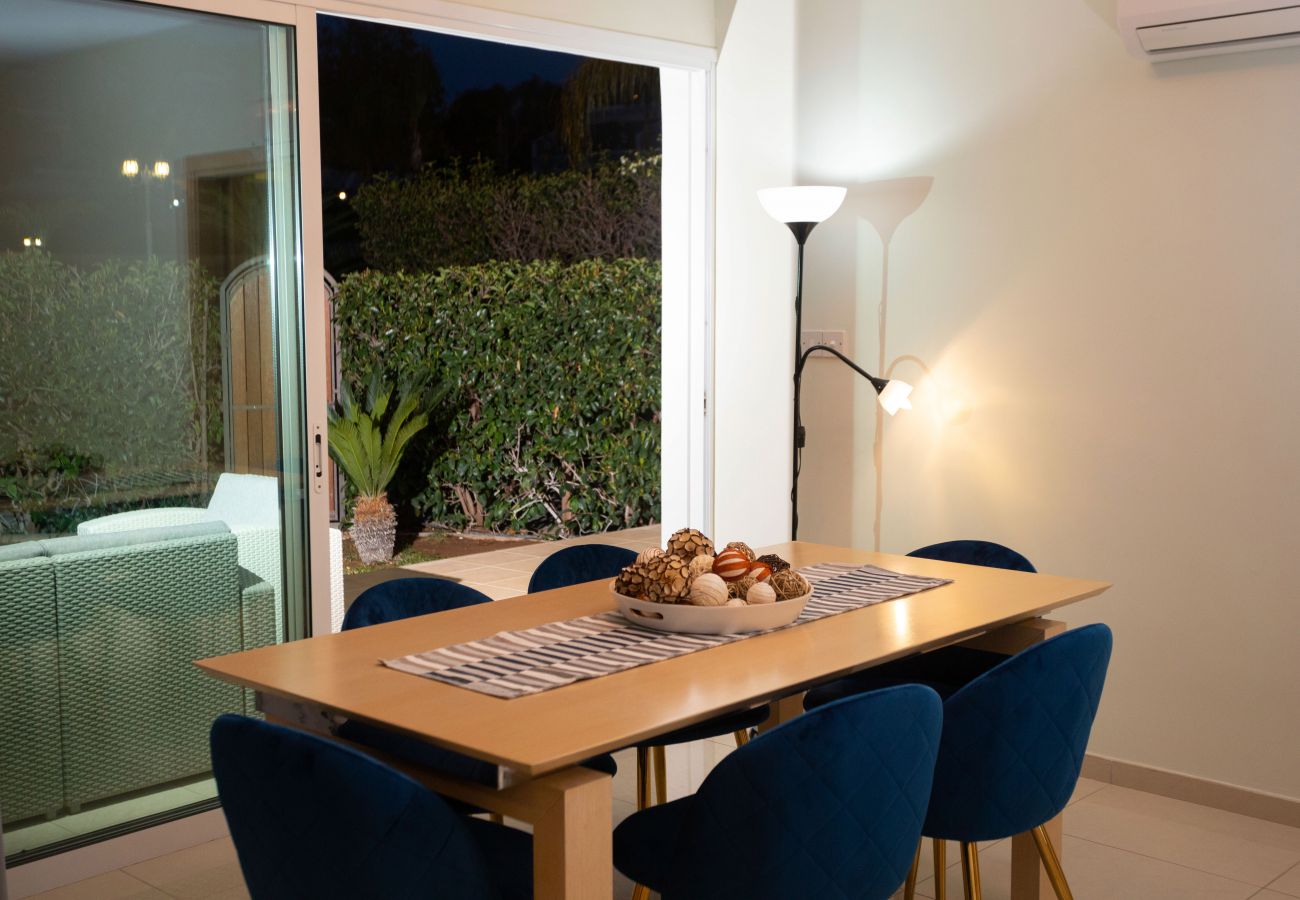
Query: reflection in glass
[148, 376]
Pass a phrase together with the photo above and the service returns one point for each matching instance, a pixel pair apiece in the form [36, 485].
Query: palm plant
[368, 445]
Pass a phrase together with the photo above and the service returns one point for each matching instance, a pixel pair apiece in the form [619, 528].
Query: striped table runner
[516, 663]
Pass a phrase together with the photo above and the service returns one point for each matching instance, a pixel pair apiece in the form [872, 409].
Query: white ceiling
[31, 29]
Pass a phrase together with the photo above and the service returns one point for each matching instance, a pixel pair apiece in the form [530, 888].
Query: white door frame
[686, 79]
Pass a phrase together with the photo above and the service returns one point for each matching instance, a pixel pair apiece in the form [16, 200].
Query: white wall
[1103, 281]
[687, 21]
[753, 311]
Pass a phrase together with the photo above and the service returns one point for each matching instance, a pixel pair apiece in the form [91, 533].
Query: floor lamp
[802, 209]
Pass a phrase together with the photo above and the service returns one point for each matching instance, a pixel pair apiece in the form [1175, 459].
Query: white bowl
[683, 617]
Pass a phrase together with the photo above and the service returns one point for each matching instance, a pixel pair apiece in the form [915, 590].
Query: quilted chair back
[402, 598]
[1014, 738]
[311, 819]
[574, 565]
[829, 804]
[976, 553]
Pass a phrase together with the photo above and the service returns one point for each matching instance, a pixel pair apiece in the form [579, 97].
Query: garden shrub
[467, 215]
[551, 424]
[107, 377]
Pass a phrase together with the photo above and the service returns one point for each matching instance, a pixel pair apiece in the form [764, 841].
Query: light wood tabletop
[339, 675]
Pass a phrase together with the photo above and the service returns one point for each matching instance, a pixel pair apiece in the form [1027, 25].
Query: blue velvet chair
[315, 820]
[829, 804]
[574, 565]
[1012, 748]
[948, 668]
[401, 598]
[591, 562]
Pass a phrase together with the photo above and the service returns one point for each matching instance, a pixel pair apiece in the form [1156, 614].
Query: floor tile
[196, 873]
[1097, 872]
[1086, 788]
[115, 885]
[1287, 883]
[1222, 843]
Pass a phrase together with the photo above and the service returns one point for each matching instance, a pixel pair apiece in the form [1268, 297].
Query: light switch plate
[835, 339]
[809, 339]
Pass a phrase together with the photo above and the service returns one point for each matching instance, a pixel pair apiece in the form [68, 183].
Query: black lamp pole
[801, 232]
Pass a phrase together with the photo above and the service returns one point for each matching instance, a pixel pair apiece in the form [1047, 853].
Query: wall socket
[830, 337]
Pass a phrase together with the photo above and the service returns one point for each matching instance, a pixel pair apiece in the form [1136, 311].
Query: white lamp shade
[894, 396]
[801, 204]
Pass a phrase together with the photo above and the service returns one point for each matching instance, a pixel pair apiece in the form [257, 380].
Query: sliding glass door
[152, 501]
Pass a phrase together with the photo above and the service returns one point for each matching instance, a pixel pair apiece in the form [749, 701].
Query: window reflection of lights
[130, 167]
[161, 169]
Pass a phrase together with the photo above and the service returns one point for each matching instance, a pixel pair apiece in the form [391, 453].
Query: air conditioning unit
[1176, 29]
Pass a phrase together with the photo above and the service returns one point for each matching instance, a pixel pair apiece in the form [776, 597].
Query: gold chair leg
[640, 892]
[661, 775]
[970, 870]
[1052, 863]
[497, 817]
[742, 737]
[909, 886]
[642, 778]
[940, 869]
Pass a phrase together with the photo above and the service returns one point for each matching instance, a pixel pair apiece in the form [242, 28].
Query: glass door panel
[151, 462]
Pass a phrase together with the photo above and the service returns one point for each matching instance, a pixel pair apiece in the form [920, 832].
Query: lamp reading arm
[892, 395]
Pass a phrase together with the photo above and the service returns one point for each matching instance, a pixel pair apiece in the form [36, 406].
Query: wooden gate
[248, 370]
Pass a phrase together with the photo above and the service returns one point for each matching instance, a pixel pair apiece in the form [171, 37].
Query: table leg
[783, 710]
[572, 839]
[1028, 877]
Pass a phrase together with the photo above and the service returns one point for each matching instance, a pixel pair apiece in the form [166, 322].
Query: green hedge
[465, 216]
[119, 364]
[553, 422]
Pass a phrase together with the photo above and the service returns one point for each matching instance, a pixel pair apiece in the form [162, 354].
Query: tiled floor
[1120, 845]
[505, 573]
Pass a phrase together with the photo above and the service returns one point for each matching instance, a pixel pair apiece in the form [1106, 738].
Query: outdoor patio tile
[1198, 837]
[496, 593]
[36, 835]
[446, 566]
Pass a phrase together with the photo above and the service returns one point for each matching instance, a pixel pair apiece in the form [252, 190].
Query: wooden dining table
[537, 740]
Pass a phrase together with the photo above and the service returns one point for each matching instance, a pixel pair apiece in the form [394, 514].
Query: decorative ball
[776, 563]
[735, 601]
[632, 581]
[648, 554]
[759, 571]
[789, 584]
[700, 565]
[689, 543]
[761, 592]
[740, 587]
[743, 548]
[708, 590]
[730, 565]
[666, 580]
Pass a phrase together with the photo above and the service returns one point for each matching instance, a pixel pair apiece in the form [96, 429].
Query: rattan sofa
[250, 507]
[100, 696]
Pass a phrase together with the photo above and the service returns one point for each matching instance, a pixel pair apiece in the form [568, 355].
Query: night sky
[468, 63]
